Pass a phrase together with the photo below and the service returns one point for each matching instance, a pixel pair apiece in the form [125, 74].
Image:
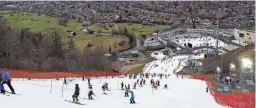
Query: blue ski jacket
[1, 86]
[132, 95]
[126, 90]
[6, 76]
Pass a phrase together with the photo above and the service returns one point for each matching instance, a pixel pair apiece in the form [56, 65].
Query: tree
[71, 44]
[89, 45]
[110, 50]
[57, 47]
[126, 33]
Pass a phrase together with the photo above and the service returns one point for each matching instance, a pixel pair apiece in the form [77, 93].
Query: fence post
[51, 87]
[62, 90]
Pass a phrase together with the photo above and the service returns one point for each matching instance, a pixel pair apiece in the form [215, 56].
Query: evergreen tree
[126, 33]
[57, 44]
[110, 49]
[71, 44]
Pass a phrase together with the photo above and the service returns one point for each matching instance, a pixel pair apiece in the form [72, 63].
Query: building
[244, 36]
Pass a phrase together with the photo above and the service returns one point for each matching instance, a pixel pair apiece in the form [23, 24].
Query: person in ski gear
[138, 81]
[151, 81]
[89, 79]
[7, 80]
[126, 91]
[122, 85]
[1, 85]
[144, 81]
[90, 87]
[65, 80]
[132, 97]
[76, 94]
[105, 86]
[134, 85]
[128, 86]
[90, 94]
[165, 86]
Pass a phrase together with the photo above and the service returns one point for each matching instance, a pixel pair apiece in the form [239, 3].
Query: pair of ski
[74, 103]
[7, 93]
[131, 103]
[77, 103]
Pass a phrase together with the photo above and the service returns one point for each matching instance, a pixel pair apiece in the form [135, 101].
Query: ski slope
[182, 93]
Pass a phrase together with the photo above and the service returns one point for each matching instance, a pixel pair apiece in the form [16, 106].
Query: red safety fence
[55, 75]
[234, 100]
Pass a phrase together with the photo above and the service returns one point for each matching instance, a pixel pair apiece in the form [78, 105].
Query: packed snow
[181, 93]
[202, 41]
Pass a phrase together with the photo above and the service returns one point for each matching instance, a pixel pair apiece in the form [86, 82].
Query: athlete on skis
[90, 94]
[128, 86]
[7, 80]
[122, 85]
[76, 94]
[134, 85]
[165, 86]
[105, 86]
[144, 81]
[1, 85]
[126, 91]
[132, 97]
[151, 81]
[140, 83]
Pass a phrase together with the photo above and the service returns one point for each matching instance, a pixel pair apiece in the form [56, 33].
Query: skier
[122, 86]
[90, 87]
[140, 83]
[7, 80]
[90, 94]
[132, 97]
[158, 83]
[144, 81]
[76, 94]
[154, 85]
[126, 91]
[1, 85]
[129, 86]
[165, 86]
[106, 86]
[134, 86]
[65, 80]
[151, 81]
[89, 79]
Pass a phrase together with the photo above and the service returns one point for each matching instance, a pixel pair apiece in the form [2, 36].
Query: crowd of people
[128, 90]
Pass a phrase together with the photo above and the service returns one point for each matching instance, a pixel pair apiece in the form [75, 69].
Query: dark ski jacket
[77, 90]
[1, 80]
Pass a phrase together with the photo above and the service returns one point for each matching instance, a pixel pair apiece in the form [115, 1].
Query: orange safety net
[234, 100]
[55, 75]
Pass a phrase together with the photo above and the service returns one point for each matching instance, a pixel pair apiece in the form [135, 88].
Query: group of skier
[126, 88]
[5, 78]
[77, 92]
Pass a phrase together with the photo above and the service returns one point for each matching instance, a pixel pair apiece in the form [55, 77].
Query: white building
[244, 36]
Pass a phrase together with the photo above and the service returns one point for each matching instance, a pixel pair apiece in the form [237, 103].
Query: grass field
[138, 29]
[42, 23]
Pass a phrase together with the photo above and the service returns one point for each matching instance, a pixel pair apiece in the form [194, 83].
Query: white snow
[202, 41]
[182, 93]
